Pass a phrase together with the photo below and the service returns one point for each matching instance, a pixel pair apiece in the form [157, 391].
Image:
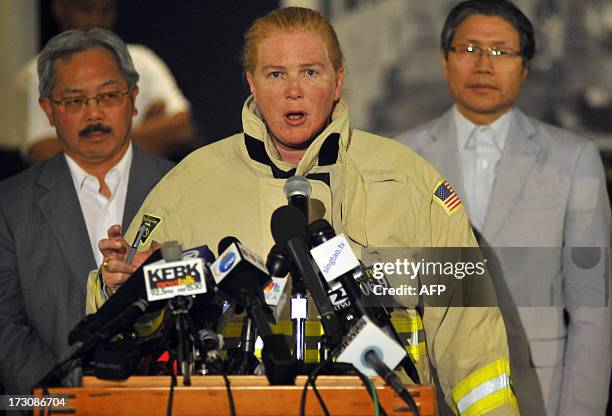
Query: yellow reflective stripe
[310, 356]
[490, 402]
[407, 324]
[313, 328]
[482, 383]
[416, 351]
[410, 328]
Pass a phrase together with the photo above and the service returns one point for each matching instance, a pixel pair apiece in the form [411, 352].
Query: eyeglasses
[472, 52]
[104, 99]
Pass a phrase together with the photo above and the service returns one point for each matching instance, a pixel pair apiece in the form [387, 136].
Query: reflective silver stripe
[483, 390]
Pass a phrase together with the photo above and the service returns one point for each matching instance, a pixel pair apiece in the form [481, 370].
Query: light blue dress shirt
[480, 149]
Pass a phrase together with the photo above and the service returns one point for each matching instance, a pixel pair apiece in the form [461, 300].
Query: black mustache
[95, 128]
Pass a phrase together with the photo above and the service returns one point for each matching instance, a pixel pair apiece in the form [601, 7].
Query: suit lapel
[518, 159]
[443, 152]
[59, 204]
[144, 174]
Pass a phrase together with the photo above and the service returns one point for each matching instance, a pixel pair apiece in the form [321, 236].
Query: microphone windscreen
[287, 222]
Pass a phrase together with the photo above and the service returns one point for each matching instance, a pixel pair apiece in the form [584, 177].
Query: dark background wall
[200, 41]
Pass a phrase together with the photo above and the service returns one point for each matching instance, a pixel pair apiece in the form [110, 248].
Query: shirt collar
[80, 176]
[465, 128]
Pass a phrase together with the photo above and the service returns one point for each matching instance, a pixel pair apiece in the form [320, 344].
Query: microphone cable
[391, 379]
[172, 383]
[312, 381]
[371, 389]
[230, 396]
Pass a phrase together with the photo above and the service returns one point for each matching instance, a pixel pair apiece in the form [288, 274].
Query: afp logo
[227, 262]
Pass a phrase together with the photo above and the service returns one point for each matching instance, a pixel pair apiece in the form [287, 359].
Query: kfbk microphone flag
[168, 279]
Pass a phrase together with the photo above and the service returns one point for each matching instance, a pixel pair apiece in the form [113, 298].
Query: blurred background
[394, 77]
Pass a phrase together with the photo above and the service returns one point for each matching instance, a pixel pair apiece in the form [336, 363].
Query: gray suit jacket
[549, 191]
[45, 256]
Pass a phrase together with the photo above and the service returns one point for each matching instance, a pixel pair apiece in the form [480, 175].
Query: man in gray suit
[527, 184]
[53, 214]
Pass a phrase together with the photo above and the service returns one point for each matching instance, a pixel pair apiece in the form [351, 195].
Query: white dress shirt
[100, 212]
[480, 149]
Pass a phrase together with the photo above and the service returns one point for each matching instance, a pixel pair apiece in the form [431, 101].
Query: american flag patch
[446, 196]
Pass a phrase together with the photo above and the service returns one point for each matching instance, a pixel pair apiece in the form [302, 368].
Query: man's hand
[115, 269]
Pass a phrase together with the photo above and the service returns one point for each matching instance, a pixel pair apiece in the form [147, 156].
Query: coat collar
[514, 169]
[326, 149]
[57, 199]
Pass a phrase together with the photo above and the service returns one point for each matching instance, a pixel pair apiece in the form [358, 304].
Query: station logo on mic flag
[446, 197]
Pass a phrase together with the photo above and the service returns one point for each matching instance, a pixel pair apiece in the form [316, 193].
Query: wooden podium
[343, 395]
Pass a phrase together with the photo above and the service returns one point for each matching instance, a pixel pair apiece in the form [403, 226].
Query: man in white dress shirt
[53, 214]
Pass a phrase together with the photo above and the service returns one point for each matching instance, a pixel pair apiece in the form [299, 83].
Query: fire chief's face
[295, 87]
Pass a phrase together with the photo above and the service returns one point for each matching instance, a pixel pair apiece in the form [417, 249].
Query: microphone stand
[299, 316]
[248, 337]
[181, 325]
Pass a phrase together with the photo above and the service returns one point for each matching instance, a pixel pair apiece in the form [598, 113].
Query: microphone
[277, 262]
[297, 189]
[341, 268]
[175, 275]
[278, 266]
[365, 336]
[133, 292]
[242, 273]
[289, 231]
[276, 296]
[238, 269]
[372, 352]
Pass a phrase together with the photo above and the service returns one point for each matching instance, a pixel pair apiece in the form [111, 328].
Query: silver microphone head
[297, 185]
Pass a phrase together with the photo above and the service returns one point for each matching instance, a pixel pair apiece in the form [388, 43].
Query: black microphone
[297, 189]
[238, 269]
[130, 294]
[343, 268]
[277, 262]
[242, 273]
[344, 290]
[289, 231]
